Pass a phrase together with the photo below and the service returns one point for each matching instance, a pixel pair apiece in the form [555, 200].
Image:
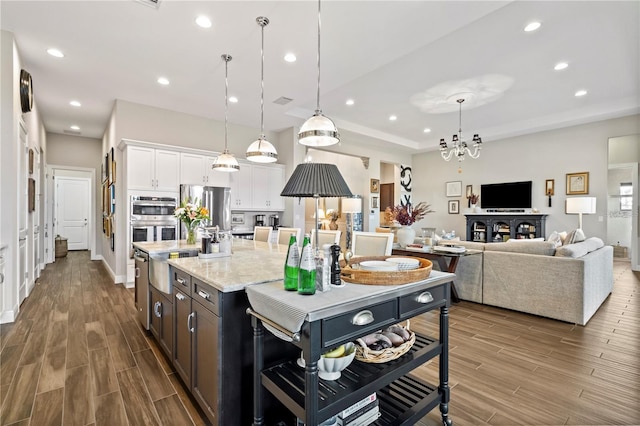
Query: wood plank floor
[77, 356]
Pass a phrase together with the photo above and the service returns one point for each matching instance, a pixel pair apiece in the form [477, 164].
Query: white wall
[619, 222]
[536, 157]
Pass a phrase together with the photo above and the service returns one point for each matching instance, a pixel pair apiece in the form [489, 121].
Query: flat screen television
[509, 195]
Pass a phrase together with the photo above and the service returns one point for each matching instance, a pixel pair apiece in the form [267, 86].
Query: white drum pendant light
[226, 162]
[262, 151]
[318, 130]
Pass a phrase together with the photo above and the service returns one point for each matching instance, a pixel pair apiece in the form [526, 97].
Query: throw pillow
[575, 236]
[556, 238]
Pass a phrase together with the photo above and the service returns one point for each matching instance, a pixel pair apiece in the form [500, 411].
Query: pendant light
[318, 130]
[262, 151]
[226, 162]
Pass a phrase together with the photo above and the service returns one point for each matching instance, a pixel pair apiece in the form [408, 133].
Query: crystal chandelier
[262, 151]
[460, 147]
[226, 162]
[318, 130]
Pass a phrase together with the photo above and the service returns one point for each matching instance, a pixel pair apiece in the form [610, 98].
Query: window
[626, 196]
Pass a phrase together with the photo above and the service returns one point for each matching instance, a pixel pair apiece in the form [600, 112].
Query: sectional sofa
[567, 283]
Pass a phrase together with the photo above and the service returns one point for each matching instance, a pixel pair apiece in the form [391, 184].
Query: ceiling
[411, 59]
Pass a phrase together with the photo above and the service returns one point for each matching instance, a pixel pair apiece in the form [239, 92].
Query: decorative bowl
[331, 368]
[404, 263]
[378, 265]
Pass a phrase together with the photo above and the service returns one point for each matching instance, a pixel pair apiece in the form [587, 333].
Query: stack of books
[362, 413]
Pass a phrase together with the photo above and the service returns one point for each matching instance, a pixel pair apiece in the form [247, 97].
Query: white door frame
[53, 170]
[634, 217]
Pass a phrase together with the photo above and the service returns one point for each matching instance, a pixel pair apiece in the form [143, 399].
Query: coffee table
[446, 261]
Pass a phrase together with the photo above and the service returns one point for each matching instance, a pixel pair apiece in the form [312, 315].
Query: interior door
[72, 211]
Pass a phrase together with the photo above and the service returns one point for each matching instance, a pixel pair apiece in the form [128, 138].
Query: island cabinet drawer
[358, 322]
[422, 301]
[181, 280]
[206, 295]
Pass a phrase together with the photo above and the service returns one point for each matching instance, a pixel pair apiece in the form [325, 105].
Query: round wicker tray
[352, 274]
[364, 354]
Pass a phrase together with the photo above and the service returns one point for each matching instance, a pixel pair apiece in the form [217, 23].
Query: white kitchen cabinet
[196, 169]
[268, 182]
[215, 178]
[153, 169]
[241, 183]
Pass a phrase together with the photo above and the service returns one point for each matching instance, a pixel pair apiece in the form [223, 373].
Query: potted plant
[407, 215]
[473, 200]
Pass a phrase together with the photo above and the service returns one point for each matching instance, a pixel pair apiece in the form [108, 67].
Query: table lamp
[351, 205]
[315, 180]
[580, 206]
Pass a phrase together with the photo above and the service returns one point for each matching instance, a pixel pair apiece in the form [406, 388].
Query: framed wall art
[577, 183]
[454, 206]
[374, 202]
[454, 189]
[374, 186]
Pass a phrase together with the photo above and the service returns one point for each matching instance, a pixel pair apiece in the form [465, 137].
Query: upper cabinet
[196, 169]
[242, 187]
[153, 169]
[268, 182]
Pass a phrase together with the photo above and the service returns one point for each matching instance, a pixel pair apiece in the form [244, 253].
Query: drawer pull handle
[181, 281]
[204, 294]
[137, 274]
[156, 309]
[424, 297]
[362, 318]
[180, 296]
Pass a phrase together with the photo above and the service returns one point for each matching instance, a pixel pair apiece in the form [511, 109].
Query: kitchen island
[203, 328]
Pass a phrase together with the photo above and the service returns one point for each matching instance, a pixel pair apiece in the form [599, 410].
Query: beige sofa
[568, 283]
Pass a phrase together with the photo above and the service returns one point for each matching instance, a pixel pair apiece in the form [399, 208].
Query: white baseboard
[98, 257]
[129, 285]
[8, 316]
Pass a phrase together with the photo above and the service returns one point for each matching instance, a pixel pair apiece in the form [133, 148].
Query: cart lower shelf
[404, 399]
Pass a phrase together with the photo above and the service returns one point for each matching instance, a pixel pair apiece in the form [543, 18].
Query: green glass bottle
[292, 265]
[307, 275]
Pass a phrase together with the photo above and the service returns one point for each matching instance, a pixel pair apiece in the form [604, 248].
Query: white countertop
[154, 247]
[251, 262]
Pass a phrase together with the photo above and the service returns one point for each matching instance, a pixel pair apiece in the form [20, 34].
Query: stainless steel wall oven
[152, 219]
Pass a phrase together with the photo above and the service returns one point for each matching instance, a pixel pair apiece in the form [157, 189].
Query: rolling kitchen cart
[318, 323]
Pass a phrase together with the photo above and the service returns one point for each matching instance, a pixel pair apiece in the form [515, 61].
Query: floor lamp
[351, 205]
[315, 180]
[580, 206]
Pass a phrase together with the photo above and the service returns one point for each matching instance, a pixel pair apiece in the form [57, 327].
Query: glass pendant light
[262, 151]
[318, 130]
[226, 162]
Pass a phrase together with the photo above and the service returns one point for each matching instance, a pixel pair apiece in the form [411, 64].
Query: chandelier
[460, 147]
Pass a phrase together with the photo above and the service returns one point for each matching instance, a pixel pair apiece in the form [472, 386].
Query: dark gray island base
[334, 318]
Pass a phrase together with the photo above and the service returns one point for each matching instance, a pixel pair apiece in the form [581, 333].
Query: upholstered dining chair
[283, 235]
[325, 237]
[371, 243]
[261, 233]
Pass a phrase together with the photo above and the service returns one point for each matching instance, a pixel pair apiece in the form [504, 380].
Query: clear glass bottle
[292, 265]
[307, 275]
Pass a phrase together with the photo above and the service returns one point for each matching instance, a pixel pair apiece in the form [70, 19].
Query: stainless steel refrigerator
[215, 198]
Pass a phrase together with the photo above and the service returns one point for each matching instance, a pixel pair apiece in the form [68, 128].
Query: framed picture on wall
[374, 186]
[374, 202]
[454, 206]
[454, 189]
[548, 187]
[577, 183]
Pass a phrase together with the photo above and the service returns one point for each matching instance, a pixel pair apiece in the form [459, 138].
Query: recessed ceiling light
[393, 118]
[164, 81]
[532, 26]
[581, 93]
[290, 57]
[203, 21]
[349, 102]
[560, 66]
[427, 130]
[233, 99]
[74, 127]
[55, 52]
[75, 103]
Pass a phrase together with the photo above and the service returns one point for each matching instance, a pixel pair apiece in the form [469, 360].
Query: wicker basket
[351, 274]
[364, 354]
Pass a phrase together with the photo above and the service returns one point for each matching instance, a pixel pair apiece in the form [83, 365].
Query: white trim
[8, 316]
